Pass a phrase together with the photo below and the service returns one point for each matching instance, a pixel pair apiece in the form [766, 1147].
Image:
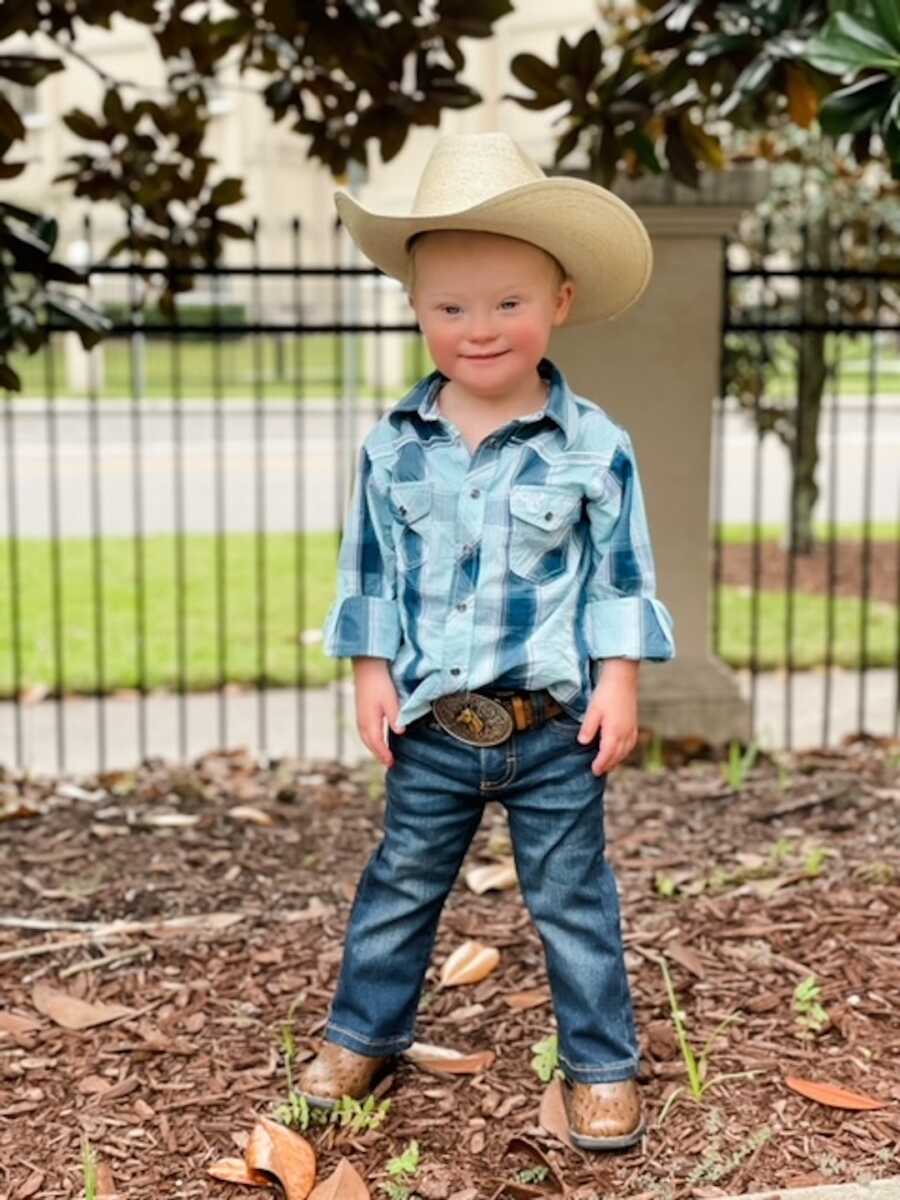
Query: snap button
[462, 606]
[454, 670]
[548, 516]
[402, 510]
[475, 493]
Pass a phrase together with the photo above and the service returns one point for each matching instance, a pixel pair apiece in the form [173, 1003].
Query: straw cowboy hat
[486, 182]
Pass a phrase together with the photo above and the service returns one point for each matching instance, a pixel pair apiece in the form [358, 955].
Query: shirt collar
[560, 406]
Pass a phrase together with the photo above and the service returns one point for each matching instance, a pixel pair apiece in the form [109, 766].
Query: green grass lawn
[231, 367]
[285, 661]
[307, 367]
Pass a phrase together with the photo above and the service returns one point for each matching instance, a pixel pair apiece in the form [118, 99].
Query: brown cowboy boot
[604, 1116]
[336, 1072]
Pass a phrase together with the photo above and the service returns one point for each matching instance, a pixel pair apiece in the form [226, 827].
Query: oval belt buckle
[472, 718]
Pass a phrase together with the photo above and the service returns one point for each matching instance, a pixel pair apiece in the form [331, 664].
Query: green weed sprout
[546, 1058]
[350, 1114]
[740, 765]
[653, 759]
[696, 1065]
[808, 1012]
[89, 1166]
[814, 863]
[403, 1167]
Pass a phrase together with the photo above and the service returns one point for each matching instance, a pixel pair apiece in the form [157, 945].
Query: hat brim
[599, 240]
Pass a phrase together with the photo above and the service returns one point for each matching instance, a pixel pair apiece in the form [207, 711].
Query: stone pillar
[656, 371]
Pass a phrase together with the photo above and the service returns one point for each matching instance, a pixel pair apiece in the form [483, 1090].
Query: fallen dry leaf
[552, 1115]
[343, 1184]
[469, 963]
[284, 1154]
[686, 958]
[16, 1025]
[533, 998]
[246, 812]
[832, 1095]
[444, 1061]
[494, 877]
[235, 1170]
[72, 1013]
[106, 1187]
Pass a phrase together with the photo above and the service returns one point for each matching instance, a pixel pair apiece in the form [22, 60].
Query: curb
[877, 1189]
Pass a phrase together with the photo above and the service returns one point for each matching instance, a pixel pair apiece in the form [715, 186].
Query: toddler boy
[496, 595]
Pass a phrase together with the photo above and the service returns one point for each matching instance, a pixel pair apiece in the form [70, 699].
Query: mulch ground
[843, 570]
[747, 894]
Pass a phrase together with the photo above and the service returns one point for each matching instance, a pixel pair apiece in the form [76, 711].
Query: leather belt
[489, 718]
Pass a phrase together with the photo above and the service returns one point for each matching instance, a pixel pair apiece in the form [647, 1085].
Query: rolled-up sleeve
[623, 617]
[364, 618]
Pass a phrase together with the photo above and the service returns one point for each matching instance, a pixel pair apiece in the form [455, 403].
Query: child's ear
[564, 298]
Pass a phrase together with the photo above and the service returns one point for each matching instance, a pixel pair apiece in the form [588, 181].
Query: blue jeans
[436, 792]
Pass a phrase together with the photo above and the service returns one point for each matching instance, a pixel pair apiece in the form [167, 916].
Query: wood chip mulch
[747, 893]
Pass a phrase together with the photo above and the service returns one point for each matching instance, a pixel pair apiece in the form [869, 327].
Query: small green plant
[665, 885]
[780, 852]
[785, 776]
[814, 862]
[714, 1166]
[546, 1058]
[532, 1174]
[740, 764]
[403, 1167]
[654, 763]
[353, 1115]
[808, 1012]
[875, 873]
[89, 1166]
[697, 1066]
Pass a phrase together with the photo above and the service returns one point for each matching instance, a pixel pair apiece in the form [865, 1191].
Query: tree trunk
[812, 373]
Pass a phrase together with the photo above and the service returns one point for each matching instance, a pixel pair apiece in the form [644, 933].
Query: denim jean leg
[556, 823]
[431, 815]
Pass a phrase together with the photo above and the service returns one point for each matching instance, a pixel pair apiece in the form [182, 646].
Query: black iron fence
[172, 501]
[807, 544]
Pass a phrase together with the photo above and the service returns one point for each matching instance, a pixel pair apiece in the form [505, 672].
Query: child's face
[487, 305]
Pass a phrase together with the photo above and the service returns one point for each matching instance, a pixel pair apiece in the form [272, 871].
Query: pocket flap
[410, 501]
[546, 507]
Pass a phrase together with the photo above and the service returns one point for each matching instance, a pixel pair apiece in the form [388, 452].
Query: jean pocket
[410, 505]
[541, 523]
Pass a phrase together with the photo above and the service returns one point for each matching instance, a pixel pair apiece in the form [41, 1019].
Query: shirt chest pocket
[410, 505]
[541, 523]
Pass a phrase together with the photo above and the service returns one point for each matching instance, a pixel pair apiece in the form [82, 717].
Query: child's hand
[376, 700]
[613, 710]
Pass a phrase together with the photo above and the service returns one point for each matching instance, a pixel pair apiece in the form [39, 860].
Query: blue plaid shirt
[518, 566]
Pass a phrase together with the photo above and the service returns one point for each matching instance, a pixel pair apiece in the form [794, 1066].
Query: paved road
[281, 470]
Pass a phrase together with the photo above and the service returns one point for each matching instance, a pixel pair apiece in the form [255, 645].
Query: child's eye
[509, 304]
[451, 309]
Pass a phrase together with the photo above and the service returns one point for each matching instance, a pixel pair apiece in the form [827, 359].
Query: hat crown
[466, 169]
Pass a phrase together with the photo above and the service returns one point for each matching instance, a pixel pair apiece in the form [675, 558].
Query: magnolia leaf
[246, 812]
[106, 1185]
[553, 1116]
[284, 1154]
[469, 963]
[803, 99]
[533, 998]
[495, 877]
[235, 1170]
[832, 1095]
[343, 1184]
[441, 1060]
[72, 1013]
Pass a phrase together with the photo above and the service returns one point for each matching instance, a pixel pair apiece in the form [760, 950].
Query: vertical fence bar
[221, 563]
[15, 576]
[179, 547]
[337, 319]
[868, 488]
[299, 451]
[895, 728]
[56, 575]
[259, 479]
[96, 510]
[756, 511]
[718, 488]
[831, 544]
[137, 360]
